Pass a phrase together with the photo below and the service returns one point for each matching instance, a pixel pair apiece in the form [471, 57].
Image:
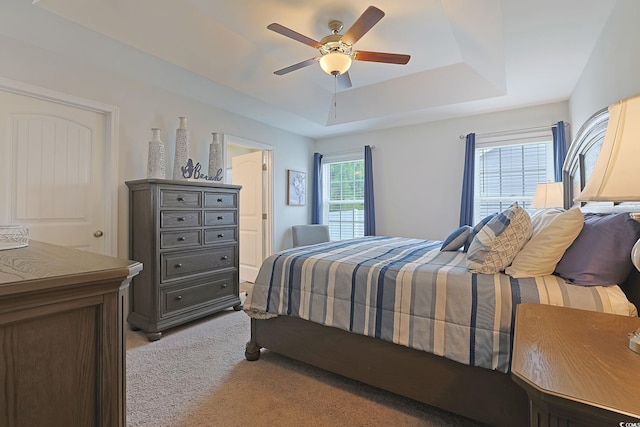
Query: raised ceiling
[467, 56]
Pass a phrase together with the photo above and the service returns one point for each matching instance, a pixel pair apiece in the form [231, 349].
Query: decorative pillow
[498, 242]
[457, 239]
[476, 228]
[553, 232]
[601, 254]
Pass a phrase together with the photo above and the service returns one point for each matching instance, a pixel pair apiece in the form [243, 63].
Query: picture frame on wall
[296, 188]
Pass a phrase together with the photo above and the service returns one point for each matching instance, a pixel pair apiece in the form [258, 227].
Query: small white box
[13, 236]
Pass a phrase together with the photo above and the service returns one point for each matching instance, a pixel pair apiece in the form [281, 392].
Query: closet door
[52, 171]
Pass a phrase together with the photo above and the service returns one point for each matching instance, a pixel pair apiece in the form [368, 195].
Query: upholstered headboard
[580, 161]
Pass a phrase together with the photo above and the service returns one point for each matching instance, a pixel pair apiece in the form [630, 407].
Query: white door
[246, 170]
[51, 171]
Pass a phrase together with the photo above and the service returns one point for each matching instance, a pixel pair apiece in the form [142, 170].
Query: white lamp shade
[616, 174]
[548, 195]
[335, 63]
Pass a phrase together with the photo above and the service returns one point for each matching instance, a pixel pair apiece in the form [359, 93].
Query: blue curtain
[369, 209]
[316, 193]
[559, 149]
[466, 204]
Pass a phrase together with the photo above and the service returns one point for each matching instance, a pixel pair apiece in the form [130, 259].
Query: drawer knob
[182, 239]
[219, 200]
[178, 265]
[224, 285]
[220, 218]
[179, 297]
[220, 236]
[224, 258]
[181, 218]
[180, 199]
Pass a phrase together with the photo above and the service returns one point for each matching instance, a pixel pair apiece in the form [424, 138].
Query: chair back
[304, 235]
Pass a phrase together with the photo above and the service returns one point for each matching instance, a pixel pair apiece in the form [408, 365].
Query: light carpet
[196, 375]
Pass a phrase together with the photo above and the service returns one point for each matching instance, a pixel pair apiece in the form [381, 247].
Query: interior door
[51, 160]
[247, 171]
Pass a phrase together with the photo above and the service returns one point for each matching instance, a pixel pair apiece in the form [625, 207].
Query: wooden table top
[578, 355]
[42, 266]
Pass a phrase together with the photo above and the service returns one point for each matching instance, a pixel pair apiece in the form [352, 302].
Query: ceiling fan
[336, 50]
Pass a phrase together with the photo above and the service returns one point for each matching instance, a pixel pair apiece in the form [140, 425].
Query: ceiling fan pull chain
[335, 96]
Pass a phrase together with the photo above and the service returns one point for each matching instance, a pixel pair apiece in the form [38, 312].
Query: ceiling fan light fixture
[335, 63]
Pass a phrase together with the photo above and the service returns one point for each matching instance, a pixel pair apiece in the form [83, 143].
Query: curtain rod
[506, 132]
[355, 150]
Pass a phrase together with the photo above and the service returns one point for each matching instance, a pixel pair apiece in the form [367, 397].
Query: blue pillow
[601, 254]
[457, 239]
[476, 228]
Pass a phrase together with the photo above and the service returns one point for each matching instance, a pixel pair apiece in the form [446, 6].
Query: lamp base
[635, 252]
[634, 341]
[634, 337]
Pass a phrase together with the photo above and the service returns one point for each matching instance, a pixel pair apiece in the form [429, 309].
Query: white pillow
[553, 233]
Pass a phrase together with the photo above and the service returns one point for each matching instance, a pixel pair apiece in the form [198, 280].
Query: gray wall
[32, 54]
[612, 70]
[418, 169]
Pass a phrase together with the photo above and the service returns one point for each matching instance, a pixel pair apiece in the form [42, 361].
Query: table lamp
[548, 195]
[616, 174]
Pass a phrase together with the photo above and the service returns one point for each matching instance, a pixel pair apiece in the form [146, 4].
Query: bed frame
[474, 392]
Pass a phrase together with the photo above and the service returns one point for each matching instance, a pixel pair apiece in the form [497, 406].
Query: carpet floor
[196, 375]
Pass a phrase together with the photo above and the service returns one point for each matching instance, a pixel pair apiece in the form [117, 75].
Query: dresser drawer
[185, 263]
[220, 218]
[180, 219]
[219, 235]
[180, 199]
[174, 239]
[220, 200]
[195, 295]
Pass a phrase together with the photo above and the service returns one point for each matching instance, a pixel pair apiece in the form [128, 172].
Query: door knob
[98, 233]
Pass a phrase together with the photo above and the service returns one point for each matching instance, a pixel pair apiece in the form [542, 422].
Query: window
[343, 197]
[508, 171]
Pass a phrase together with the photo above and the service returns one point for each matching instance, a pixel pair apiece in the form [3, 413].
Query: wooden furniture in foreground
[186, 235]
[576, 366]
[62, 348]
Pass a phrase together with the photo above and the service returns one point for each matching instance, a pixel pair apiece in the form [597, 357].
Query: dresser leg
[237, 307]
[154, 336]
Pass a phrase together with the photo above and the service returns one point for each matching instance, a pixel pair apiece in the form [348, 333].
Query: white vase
[216, 165]
[155, 161]
[182, 149]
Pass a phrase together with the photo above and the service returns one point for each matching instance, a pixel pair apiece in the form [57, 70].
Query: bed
[404, 316]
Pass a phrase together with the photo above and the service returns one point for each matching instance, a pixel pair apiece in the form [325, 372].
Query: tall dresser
[186, 235]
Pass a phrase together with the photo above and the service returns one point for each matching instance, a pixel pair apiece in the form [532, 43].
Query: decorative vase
[182, 150]
[216, 165]
[155, 162]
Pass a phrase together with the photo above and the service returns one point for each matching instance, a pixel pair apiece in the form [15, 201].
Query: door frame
[110, 163]
[267, 204]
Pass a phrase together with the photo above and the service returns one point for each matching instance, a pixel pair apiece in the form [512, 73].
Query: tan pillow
[553, 233]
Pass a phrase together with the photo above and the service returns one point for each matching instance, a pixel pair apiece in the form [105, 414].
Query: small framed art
[296, 188]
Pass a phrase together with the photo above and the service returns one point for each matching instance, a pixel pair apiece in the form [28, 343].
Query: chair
[304, 235]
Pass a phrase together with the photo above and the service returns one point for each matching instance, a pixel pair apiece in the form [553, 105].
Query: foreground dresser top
[42, 266]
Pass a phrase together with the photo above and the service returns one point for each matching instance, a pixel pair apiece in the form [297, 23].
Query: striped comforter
[408, 292]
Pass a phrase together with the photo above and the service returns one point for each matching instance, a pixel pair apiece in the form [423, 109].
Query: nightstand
[575, 366]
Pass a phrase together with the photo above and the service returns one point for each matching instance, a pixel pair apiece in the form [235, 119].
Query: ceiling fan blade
[389, 58]
[293, 35]
[344, 81]
[297, 66]
[364, 23]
